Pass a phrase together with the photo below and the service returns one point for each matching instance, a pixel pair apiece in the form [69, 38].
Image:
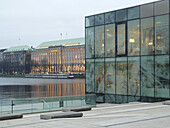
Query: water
[17, 88]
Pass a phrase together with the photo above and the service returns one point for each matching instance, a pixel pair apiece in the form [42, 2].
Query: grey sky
[30, 22]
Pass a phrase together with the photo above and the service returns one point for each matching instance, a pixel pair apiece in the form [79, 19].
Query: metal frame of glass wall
[127, 54]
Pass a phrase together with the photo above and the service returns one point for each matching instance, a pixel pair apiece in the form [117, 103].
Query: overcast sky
[30, 22]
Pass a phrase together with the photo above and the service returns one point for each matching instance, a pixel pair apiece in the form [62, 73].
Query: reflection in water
[74, 87]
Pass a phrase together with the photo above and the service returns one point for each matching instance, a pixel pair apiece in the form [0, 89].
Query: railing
[32, 105]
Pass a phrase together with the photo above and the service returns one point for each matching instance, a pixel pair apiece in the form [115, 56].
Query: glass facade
[127, 54]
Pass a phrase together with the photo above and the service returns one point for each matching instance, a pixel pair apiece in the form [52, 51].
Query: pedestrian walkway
[131, 115]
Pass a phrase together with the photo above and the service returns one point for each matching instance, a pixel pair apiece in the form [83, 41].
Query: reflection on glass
[90, 42]
[162, 34]
[133, 76]
[161, 7]
[121, 75]
[89, 21]
[99, 19]
[133, 38]
[133, 13]
[110, 40]
[99, 41]
[109, 17]
[89, 75]
[121, 41]
[162, 76]
[147, 76]
[121, 15]
[146, 10]
[147, 46]
[99, 75]
[110, 76]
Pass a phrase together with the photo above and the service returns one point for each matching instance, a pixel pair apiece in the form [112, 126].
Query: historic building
[53, 57]
[17, 60]
[127, 54]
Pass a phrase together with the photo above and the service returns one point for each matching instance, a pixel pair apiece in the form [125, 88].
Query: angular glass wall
[133, 38]
[162, 76]
[99, 75]
[162, 34]
[90, 42]
[147, 76]
[110, 75]
[133, 78]
[110, 40]
[99, 41]
[147, 44]
[89, 75]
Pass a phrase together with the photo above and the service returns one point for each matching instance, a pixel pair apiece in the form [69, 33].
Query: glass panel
[89, 21]
[121, 15]
[162, 7]
[89, 42]
[162, 34]
[89, 75]
[147, 76]
[110, 40]
[121, 75]
[133, 76]
[99, 19]
[133, 38]
[133, 13]
[110, 76]
[99, 41]
[109, 17]
[162, 76]
[99, 75]
[121, 41]
[146, 10]
[147, 46]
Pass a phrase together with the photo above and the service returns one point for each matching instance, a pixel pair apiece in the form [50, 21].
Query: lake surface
[31, 88]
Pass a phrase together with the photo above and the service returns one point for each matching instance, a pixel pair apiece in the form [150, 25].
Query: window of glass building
[99, 41]
[99, 75]
[110, 75]
[90, 42]
[109, 17]
[89, 21]
[161, 7]
[121, 15]
[121, 39]
[134, 76]
[89, 75]
[133, 13]
[133, 38]
[147, 44]
[162, 34]
[99, 19]
[121, 75]
[147, 76]
[162, 76]
[146, 10]
[110, 40]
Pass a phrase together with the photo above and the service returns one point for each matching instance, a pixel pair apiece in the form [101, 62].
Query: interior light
[132, 40]
[158, 22]
[150, 43]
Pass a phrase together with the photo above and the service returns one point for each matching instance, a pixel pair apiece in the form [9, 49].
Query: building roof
[66, 42]
[19, 48]
[2, 50]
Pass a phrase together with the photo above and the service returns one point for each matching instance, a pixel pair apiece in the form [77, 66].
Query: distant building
[1, 60]
[59, 56]
[17, 60]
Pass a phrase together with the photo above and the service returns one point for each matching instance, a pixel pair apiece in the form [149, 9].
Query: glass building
[127, 54]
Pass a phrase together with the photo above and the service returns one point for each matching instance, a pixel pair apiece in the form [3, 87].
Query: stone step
[10, 116]
[77, 109]
[61, 115]
[166, 102]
